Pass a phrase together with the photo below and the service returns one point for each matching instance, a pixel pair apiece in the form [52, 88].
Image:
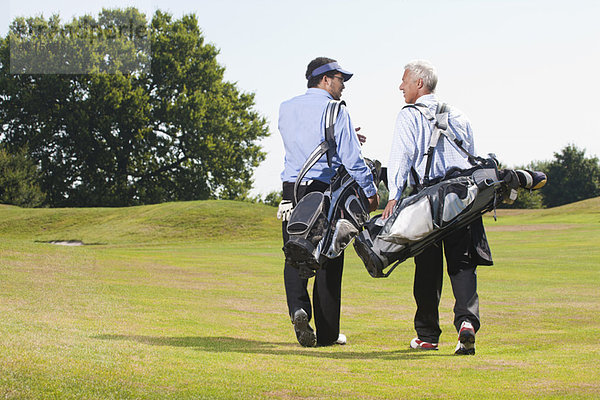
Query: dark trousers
[327, 288]
[428, 284]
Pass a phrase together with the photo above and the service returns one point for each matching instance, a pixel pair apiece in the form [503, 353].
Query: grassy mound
[585, 211]
[169, 222]
[210, 220]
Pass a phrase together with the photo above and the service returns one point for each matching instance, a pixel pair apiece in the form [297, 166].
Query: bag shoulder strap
[440, 128]
[328, 146]
[331, 115]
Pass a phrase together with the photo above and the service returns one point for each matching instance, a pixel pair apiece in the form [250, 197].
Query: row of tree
[572, 176]
[119, 111]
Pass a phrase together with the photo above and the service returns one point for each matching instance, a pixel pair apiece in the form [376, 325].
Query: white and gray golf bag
[323, 224]
[430, 215]
[436, 208]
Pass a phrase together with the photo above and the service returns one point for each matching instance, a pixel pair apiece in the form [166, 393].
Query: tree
[19, 180]
[273, 198]
[571, 177]
[143, 116]
[526, 199]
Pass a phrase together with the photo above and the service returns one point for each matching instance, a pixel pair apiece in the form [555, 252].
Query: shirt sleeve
[403, 153]
[349, 152]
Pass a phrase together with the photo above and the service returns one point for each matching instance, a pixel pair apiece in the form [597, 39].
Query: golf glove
[285, 210]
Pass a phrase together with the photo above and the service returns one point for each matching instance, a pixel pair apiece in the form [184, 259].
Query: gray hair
[424, 70]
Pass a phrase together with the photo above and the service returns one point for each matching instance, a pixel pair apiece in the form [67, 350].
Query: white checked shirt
[410, 142]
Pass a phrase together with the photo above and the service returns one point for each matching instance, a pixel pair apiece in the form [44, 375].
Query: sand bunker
[67, 242]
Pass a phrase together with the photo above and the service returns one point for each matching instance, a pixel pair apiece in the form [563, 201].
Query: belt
[303, 183]
[304, 186]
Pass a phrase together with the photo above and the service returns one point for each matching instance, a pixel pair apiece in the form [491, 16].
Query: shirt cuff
[371, 190]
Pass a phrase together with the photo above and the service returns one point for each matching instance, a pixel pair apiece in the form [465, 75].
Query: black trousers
[427, 289]
[327, 288]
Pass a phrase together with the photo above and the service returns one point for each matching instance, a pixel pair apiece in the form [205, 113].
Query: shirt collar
[319, 91]
[427, 99]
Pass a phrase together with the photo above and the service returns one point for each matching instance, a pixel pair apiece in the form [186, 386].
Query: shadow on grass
[236, 345]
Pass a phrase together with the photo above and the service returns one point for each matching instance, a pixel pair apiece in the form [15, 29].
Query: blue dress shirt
[410, 142]
[302, 128]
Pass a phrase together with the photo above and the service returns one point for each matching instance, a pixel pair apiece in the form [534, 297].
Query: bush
[19, 180]
[273, 198]
[384, 195]
[571, 177]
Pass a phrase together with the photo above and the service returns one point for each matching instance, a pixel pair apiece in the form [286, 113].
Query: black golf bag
[323, 224]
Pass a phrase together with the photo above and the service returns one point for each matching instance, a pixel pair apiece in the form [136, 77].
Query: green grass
[186, 300]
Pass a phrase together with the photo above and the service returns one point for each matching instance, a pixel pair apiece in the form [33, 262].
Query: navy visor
[332, 66]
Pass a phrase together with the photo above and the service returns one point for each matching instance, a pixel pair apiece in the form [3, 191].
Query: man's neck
[421, 96]
[323, 87]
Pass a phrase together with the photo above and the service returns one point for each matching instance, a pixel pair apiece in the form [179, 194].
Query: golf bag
[321, 225]
[436, 208]
[430, 215]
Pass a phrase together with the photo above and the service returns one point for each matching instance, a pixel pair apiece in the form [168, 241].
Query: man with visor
[302, 129]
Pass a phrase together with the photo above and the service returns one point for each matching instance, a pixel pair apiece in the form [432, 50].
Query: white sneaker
[341, 339]
[418, 344]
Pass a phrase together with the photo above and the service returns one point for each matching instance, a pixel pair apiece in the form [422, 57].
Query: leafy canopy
[19, 180]
[571, 177]
[119, 111]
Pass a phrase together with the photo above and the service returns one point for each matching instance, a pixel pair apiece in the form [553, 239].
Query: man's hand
[361, 138]
[373, 202]
[389, 209]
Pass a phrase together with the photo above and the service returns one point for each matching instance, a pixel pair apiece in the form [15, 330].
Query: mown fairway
[186, 300]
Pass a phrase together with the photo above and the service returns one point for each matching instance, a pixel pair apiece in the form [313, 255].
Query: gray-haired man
[464, 249]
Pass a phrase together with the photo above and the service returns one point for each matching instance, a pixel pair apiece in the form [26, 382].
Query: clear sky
[525, 72]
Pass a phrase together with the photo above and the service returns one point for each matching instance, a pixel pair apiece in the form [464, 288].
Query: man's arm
[403, 153]
[349, 152]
